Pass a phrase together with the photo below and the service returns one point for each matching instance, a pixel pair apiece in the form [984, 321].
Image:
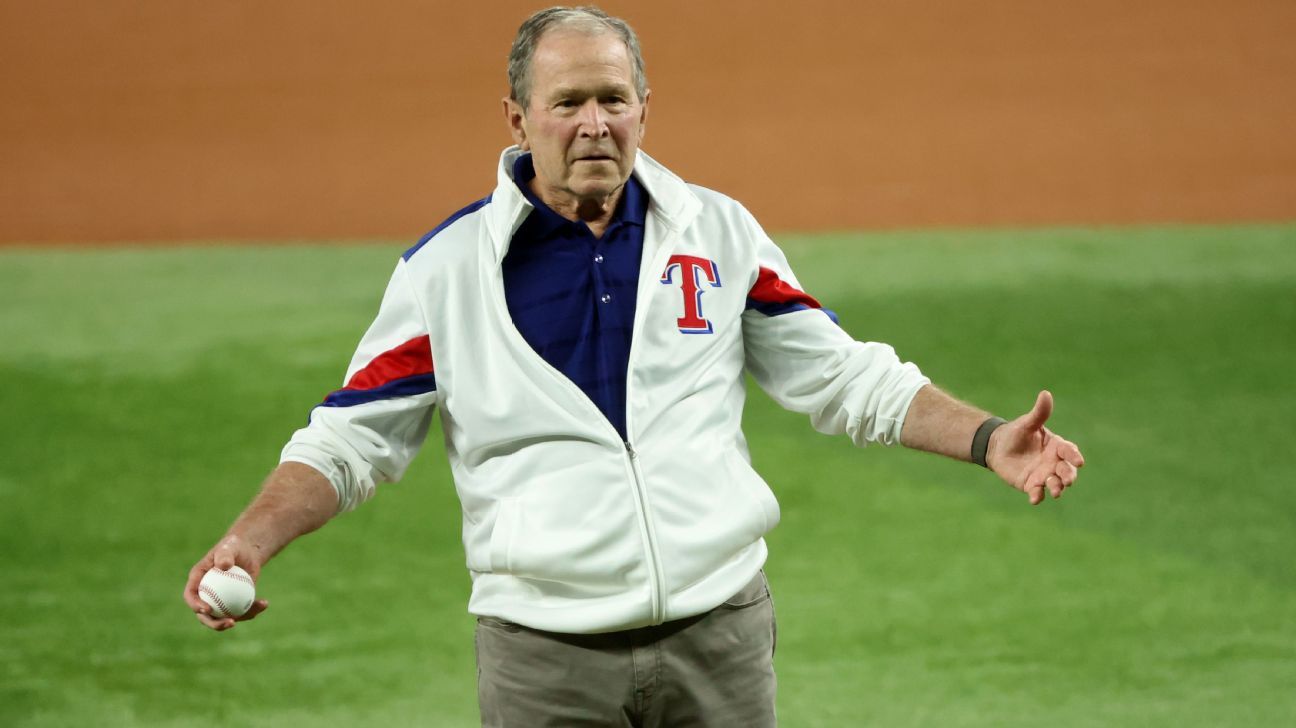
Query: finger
[1066, 472]
[1040, 413]
[1054, 485]
[224, 553]
[1036, 494]
[191, 585]
[195, 603]
[1070, 453]
[1032, 484]
[257, 607]
[1038, 481]
[219, 624]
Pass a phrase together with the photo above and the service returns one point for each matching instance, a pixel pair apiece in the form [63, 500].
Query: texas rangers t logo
[692, 269]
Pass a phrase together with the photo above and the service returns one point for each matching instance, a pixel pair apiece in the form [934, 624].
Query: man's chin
[593, 189]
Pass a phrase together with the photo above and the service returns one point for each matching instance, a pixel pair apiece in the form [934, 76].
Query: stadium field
[147, 391]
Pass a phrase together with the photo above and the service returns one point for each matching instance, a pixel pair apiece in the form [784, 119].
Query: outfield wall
[152, 120]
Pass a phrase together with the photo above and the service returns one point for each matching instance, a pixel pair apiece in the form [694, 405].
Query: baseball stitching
[236, 576]
[219, 604]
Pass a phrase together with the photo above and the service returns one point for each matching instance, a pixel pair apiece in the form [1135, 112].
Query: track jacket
[566, 527]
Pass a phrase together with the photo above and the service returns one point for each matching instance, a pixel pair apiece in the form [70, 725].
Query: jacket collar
[672, 205]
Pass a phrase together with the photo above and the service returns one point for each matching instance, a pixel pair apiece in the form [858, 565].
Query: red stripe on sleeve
[412, 358]
[769, 288]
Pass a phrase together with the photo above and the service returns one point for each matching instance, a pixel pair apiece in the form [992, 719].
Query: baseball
[228, 593]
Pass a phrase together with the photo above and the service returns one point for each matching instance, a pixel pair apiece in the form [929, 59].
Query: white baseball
[228, 593]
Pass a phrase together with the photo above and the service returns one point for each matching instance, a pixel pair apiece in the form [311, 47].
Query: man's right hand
[296, 499]
[229, 552]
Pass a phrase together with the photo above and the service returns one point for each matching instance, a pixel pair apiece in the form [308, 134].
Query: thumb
[223, 558]
[1040, 413]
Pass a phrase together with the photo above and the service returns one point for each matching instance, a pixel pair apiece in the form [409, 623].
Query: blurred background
[137, 120]
[1096, 198]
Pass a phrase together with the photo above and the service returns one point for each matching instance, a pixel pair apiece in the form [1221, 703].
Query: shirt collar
[632, 209]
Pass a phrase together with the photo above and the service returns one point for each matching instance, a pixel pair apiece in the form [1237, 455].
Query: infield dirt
[303, 119]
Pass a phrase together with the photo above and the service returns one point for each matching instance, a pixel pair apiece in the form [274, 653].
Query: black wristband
[981, 440]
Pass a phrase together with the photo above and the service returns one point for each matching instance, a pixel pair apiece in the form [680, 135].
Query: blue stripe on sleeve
[403, 387]
[778, 309]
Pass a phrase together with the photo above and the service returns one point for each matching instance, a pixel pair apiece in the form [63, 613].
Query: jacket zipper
[657, 588]
[657, 248]
[656, 583]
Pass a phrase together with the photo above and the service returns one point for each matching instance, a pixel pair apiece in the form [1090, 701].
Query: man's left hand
[1030, 458]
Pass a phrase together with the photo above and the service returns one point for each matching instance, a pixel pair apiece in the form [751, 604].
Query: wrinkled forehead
[579, 61]
[581, 42]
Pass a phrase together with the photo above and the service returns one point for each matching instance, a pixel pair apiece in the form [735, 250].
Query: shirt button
[606, 298]
[598, 258]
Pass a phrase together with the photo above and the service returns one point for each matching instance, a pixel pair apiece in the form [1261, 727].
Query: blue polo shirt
[572, 296]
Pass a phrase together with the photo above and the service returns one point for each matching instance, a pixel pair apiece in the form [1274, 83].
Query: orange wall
[152, 120]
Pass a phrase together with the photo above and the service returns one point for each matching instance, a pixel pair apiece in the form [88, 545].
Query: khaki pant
[715, 669]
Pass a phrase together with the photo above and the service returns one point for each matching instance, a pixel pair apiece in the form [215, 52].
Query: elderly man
[583, 332]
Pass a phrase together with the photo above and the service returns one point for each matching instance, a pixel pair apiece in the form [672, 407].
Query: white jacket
[566, 527]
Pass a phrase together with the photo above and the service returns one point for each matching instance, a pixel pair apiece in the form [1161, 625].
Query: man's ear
[516, 119]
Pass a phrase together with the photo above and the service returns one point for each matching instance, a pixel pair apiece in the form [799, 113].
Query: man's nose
[593, 120]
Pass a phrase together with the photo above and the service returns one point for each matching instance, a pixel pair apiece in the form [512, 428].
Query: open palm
[1030, 457]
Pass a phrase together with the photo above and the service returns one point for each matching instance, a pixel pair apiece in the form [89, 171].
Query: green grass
[146, 393]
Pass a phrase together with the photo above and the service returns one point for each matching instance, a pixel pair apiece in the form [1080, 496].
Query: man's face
[584, 121]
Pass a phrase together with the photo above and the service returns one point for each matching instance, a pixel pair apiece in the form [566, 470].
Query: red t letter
[692, 269]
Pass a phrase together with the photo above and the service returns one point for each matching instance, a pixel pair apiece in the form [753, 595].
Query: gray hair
[586, 19]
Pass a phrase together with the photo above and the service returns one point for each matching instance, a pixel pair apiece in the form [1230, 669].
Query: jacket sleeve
[368, 431]
[799, 355]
